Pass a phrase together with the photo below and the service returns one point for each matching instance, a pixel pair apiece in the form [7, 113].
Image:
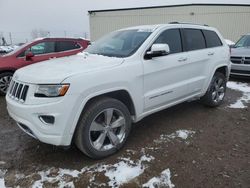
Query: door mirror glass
[158, 50]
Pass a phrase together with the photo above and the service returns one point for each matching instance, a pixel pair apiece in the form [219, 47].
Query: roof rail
[188, 23]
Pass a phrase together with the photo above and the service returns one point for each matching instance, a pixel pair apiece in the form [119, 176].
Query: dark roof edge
[165, 6]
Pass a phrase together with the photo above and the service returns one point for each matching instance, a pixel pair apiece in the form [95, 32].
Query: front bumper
[27, 118]
[240, 69]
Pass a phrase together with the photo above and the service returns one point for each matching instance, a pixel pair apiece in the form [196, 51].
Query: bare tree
[34, 34]
[44, 33]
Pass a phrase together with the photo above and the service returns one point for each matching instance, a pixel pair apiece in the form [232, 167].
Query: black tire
[208, 99]
[84, 131]
[5, 79]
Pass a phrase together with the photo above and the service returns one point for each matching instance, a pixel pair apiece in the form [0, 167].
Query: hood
[56, 70]
[241, 51]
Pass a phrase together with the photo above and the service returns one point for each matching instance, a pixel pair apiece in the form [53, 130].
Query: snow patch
[19, 176]
[238, 104]
[118, 173]
[163, 181]
[46, 176]
[2, 182]
[124, 172]
[245, 89]
[183, 134]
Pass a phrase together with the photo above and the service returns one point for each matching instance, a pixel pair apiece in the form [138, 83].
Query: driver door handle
[210, 53]
[182, 59]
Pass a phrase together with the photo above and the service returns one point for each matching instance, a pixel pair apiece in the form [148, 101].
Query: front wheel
[216, 91]
[5, 79]
[103, 128]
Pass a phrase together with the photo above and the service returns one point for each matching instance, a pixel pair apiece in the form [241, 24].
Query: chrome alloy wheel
[107, 130]
[4, 83]
[218, 90]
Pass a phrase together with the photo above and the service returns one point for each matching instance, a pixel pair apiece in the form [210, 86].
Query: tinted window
[212, 39]
[22, 54]
[40, 48]
[172, 38]
[194, 39]
[66, 45]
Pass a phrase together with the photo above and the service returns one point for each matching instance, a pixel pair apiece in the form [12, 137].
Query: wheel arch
[120, 94]
[7, 70]
[223, 69]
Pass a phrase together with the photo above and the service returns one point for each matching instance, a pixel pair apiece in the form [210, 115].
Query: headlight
[51, 90]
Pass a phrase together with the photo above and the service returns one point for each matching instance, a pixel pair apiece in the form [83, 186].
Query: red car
[36, 51]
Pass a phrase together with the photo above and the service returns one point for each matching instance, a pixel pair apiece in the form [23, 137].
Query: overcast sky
[65, 17]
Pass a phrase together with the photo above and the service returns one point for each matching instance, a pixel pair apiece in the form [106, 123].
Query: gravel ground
[188, 145]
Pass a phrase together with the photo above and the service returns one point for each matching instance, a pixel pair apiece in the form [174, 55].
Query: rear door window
[62, 46]
[171, 37]
[212, 39]
[194, 39]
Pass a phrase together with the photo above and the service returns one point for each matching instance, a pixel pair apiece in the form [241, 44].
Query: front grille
[240, 60]
[240, 72]
[18, 91]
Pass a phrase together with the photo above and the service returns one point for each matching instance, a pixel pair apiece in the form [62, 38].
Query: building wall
[231, 21]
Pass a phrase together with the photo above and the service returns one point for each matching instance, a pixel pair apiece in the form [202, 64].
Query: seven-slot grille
[18, 91]
[241, 60]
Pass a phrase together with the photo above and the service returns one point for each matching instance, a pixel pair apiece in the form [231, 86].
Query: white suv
[93, 97]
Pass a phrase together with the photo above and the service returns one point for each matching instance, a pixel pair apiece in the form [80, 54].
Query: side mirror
[29, 56]
[158, 50]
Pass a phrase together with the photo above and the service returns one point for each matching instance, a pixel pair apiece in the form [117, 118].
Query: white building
[232, 20]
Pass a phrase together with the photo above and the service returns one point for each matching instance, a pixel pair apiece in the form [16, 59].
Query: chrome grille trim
[240, 60]
[18, 91]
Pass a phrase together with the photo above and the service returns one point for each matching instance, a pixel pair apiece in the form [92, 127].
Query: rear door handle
[182, 59]
[210, 53]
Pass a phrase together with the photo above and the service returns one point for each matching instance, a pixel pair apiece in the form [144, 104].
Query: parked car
[5, 49]
[240, 57]
[121, 78]
[36, 51]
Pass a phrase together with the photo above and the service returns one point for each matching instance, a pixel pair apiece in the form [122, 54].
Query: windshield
[243, 42]
[119, 43]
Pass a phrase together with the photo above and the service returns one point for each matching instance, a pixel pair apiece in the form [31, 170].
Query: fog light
[47, 119]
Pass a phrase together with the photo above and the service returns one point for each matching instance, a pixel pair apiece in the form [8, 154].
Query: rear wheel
[216, 91]
[5, 79]
[103, 128]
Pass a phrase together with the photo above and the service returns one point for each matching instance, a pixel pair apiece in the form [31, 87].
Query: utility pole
[10, 38]
[65, 33]
[1, 35]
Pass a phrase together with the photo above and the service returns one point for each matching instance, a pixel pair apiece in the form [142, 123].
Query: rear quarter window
[194, 39]
[212, 39]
